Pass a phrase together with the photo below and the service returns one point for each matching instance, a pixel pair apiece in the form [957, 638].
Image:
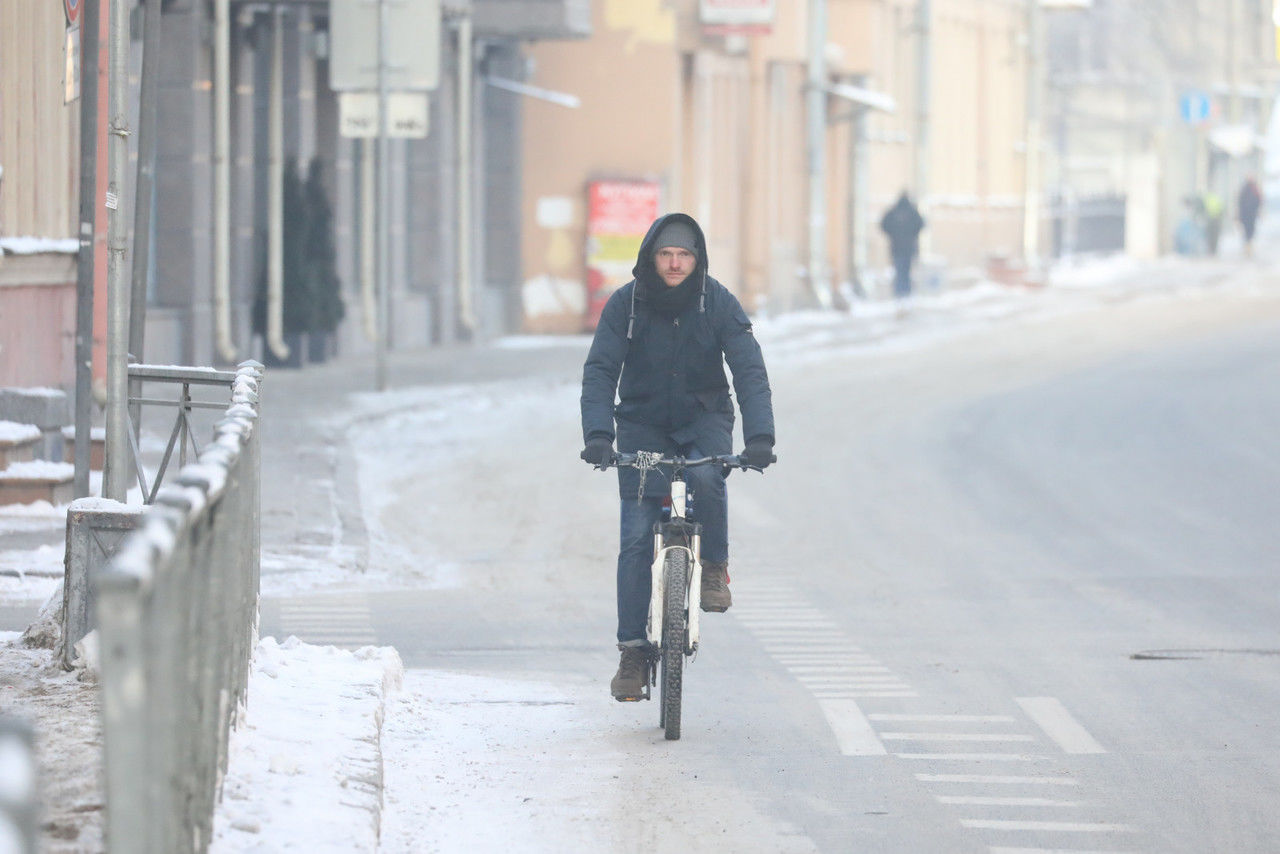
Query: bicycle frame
[677, 527]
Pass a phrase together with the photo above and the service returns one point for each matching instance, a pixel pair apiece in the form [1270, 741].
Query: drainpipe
[222, 181]
[466, 312]
[924, 113]
[1031, 181]
[816, 95]
[275, 194]
[144, 199]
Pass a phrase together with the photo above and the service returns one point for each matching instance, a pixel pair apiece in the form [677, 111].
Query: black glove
[759, 453]
[598, 452]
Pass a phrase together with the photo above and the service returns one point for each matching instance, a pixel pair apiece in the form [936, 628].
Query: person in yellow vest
[1211, 204]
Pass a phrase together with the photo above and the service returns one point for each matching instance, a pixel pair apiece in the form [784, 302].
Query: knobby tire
[674, 619]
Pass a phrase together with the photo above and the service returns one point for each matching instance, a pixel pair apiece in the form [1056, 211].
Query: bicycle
[676, 581]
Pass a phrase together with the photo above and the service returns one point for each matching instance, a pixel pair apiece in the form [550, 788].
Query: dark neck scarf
[667, 301]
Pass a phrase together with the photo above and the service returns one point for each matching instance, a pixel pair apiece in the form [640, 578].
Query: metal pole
[816, 96]
[466, 311]
[144, 193]
[1234, 47]
[379, 207]
[1031, 186]
[84, 261]
[861, 204]
[368, 241]
[275, 193]
[222, 180]
[924, 107]
[115, 482]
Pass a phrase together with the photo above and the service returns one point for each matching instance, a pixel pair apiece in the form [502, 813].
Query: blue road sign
[1195, 107]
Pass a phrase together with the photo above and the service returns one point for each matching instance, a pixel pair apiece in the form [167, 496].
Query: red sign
[618, 215]
[73, 9]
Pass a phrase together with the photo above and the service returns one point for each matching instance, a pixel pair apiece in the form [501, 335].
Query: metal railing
[182, 434]
[177, 614]
[19, 802]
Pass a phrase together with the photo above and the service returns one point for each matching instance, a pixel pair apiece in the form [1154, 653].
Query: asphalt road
[1010, 591]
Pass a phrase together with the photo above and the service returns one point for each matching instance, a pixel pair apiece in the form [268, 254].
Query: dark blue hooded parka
[667, 374]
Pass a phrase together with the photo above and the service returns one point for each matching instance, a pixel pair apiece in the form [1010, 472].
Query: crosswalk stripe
[1002, 779]
[1052, 826]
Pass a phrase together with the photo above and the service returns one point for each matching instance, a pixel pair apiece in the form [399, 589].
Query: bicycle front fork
[693, 591]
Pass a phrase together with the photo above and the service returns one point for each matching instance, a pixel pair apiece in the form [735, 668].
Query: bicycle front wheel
[674, 621]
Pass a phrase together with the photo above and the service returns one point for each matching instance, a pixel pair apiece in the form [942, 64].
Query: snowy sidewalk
[305, 763]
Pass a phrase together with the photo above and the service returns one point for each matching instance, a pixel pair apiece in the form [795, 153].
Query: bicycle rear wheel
[674, 619]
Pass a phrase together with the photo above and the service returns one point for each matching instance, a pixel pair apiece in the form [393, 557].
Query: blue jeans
[635, 555]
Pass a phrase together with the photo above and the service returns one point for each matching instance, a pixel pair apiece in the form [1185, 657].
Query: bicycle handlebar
[731, 460]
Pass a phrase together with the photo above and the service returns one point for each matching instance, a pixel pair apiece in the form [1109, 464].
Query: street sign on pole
[1195, 107]
[412, 60]
[407, 114]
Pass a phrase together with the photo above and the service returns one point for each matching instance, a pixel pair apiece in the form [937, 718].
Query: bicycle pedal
[630, 699]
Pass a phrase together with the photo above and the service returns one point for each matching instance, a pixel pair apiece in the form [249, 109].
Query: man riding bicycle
[660, 347]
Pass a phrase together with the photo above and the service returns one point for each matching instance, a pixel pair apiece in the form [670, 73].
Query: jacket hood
[644, 260]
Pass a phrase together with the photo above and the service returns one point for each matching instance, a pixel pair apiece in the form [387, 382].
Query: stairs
[31, 447]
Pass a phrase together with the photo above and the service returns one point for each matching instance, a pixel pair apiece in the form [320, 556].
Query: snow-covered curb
[305, 766]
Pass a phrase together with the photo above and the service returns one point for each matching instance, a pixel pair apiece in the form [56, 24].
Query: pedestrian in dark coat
[902, 224]
[654, 380]
[1247, 207]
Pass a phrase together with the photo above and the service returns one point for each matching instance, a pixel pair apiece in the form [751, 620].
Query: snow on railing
[177, 612]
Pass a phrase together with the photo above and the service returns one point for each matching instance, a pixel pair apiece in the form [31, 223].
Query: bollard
[95, 529]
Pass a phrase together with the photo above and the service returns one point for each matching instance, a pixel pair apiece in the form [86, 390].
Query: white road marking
[1054, 826]
[965, 719]
[1052, 717]
[850, 679]
[972, 757]
[822, 658]
[790, 621]
[344, 624]
[827, 659]
[982, 801]
[852, 730]
[997, 778]
[999, 849]
[955, 736]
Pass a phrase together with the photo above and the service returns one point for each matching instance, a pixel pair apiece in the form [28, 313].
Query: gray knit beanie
[677, 233]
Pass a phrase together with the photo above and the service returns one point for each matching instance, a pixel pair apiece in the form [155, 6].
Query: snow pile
[38, 245]
[45, 561]
[12, 431]
[1094, 271]
[96, 434]
[305, 764]
[38, 470]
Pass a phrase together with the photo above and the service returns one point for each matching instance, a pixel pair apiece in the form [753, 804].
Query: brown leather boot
[633, 670]
[715, 587]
